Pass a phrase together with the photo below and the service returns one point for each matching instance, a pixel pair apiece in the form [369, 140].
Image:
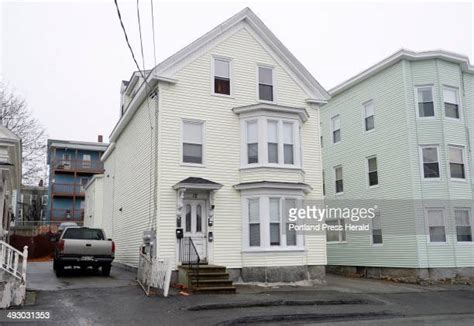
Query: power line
[153, 30]
[140, 32]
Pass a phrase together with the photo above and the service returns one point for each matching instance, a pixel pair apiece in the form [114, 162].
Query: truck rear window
[83, 234]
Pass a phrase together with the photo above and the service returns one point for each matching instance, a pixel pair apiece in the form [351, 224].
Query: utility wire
[140, 32]
[153, 30]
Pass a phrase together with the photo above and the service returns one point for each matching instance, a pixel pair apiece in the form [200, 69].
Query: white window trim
[231, 75]
[460, 106]
[263, 143]
[422, 171]
[363, 117]
[339, 233]
[471, 221]
[196, 121]
[272, 67]
[427, 226]
[435, 107]
[264, 211]
[367, 172]
[372, 234]
[464, 160]
[334, 183]
[332, 129]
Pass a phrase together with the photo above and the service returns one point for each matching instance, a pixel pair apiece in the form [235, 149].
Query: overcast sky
[67, 59]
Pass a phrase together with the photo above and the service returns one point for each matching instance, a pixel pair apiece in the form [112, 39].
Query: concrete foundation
[278, 274]
[456, 275]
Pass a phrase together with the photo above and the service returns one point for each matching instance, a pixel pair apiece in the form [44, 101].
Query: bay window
[424, 95]
[271, 141]
[268, 223]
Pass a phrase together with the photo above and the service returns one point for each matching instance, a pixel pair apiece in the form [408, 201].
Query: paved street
[95, 300]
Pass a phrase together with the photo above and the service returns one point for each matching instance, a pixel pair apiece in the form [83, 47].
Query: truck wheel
[55, 265]
[106, 270]
[59, 269]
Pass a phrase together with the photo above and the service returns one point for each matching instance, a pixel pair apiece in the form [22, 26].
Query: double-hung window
[272, 141]
[451, 102]
[339, 183]
[336, 230]
[456, 162]
[430, 159]
[193, 142]
[254, 222]
[221, 76]
[377, 229]
[277, 138]
[425, 101]
[336, 129]
[252, 142]
[275, 222]
[436, 225]
[373, 173]
[462, 218]
[288, 138]
[369, 116]
[291, 237]
[265, 84]
[269, 223]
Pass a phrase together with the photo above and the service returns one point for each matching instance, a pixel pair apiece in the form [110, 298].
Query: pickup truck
[83, 247]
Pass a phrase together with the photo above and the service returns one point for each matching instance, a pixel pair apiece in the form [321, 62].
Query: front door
[194, 221]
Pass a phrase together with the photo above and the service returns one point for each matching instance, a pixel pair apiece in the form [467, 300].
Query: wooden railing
[14, 261]
[188, 255]
[77, 165]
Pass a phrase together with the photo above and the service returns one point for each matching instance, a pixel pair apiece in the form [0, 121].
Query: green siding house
[401, 134]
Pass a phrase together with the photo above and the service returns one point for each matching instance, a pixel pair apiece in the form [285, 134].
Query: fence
[154, 273]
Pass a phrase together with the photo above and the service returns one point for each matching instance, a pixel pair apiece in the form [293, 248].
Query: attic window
[265, 84]
[221, 76]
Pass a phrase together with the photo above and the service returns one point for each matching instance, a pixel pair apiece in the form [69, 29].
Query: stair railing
[14, 261]
[189, 256]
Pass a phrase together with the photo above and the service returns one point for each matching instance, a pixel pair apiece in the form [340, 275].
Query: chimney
[100, 138]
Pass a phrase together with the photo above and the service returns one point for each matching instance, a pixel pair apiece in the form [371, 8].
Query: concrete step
[205, 268]
[210, 276]
[211, 283]
[215, 290]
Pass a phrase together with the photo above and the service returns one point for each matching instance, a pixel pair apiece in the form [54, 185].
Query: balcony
[66, 215]
[67, 189]
[60, 164]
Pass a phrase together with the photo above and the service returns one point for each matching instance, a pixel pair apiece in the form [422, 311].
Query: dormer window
[265, 84]
[221, 76]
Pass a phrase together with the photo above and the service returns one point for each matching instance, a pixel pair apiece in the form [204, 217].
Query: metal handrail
[74, 164]
[190, 256]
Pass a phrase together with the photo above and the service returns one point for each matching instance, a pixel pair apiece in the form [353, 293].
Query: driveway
[117, 300]
[41, 277]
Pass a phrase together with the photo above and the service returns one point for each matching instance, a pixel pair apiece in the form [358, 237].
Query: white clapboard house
[221, 136]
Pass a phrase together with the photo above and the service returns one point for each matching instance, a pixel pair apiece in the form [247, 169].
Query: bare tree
[16, 116]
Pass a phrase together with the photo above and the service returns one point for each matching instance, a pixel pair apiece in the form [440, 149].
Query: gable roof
[317, 92]
[404, 54]
[165, 70]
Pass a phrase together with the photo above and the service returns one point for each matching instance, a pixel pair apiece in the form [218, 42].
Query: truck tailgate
[87, 247]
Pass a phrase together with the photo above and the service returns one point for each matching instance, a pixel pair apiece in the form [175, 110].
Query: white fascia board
[262, 107]
[137, 100]
[403, 54]
[108, 151]
[273, 185]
